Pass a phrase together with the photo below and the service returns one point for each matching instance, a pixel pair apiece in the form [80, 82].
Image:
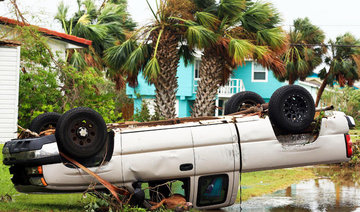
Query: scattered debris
[26, 133]
[6, 198]
[175, 202]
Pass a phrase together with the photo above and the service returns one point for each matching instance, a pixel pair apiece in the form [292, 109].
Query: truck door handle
[186, 167]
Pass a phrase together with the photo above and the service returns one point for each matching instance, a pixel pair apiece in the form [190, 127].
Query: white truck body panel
[260, 151]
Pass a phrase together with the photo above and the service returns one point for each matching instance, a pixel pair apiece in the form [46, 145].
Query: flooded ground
[335, 189]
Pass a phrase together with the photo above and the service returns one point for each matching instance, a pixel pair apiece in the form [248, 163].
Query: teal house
[249, 77]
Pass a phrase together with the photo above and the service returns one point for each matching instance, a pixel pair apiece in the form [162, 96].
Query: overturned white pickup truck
[205, 156]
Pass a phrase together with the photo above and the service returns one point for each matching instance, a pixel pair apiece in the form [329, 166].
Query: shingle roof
[70, 38]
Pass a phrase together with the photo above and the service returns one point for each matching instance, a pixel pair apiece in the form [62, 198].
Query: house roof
[9, 43]
[50, 33]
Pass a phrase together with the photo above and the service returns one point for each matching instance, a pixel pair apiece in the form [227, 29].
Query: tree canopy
[305, 51]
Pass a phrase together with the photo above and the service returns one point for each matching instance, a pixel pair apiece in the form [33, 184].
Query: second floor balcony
[232, 87]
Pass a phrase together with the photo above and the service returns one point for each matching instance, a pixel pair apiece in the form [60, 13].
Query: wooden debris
[26, 133]
[258, 109]
[161, 122]
[47, 132]
[331, 107]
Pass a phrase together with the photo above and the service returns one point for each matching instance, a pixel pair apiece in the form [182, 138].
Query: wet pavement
[335, 189]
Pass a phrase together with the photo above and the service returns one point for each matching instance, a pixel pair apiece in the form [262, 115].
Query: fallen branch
[331, 107]
[113, 189]
[254, 109]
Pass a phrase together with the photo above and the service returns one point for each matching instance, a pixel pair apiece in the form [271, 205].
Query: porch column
[217, 105]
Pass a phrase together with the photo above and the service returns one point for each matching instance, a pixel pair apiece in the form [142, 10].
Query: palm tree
[343, 62]
[156, 50]
[104, 26]
[242, 30]
[305, 51]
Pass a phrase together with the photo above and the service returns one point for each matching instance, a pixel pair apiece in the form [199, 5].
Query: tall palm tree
[155, 49]
[242, 30]
[343, 62]
[305, 52]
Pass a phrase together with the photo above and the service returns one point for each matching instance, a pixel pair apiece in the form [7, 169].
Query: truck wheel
[242, 101]
[291, 108]
[81, 132]
[44, 122]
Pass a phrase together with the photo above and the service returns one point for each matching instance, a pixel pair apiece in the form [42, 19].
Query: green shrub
[345, 99]
[48, 84]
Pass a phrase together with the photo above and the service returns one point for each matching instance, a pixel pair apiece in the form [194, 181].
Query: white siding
[9, 89]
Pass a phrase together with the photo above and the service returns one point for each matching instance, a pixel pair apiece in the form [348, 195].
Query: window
[155, 192]
[259, 73]
[212, 190]
[197, 69]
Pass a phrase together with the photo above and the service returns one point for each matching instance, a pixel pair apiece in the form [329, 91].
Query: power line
[317, 44]
[330, 25]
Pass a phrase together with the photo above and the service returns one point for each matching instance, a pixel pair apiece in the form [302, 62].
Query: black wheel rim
[295, 108]
[246, 105]
[83, 132]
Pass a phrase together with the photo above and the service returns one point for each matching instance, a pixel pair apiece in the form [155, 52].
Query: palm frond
[231, 8]
[152, 11]
[187, 54]
[77, 60]
[152, 70]
[239, 50]
[84, 19]
[273, 37]
[208, 20]
[116, 56]
[199, 36]
[61, 16]
[139, 56]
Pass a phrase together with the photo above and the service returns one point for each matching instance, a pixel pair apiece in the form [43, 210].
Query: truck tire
[44, 122]
[242, 101]
[81, 133]
[291, 108]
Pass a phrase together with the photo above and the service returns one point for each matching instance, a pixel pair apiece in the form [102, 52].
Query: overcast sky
[333, 16]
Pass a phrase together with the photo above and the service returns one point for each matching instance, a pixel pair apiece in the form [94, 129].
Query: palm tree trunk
[208, 85]
[321, 89]
[291, 79]
[166, 83]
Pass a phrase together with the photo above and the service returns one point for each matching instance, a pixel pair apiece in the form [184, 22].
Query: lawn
[253, 184]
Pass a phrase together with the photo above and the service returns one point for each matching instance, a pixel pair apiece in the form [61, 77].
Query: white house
[9, 87]
[9, 70]
[57, 41]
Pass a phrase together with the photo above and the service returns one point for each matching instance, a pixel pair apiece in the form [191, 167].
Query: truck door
[217, 165]
[157, 154]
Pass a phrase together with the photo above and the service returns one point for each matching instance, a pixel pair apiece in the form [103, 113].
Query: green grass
[36, 202]
[265, 182]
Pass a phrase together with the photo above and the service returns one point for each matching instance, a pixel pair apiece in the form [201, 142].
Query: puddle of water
[336, 189]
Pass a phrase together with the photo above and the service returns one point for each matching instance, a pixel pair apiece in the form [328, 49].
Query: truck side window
[174, 186]
[212, 190]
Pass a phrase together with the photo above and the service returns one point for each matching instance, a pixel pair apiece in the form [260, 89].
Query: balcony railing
[232, 87]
